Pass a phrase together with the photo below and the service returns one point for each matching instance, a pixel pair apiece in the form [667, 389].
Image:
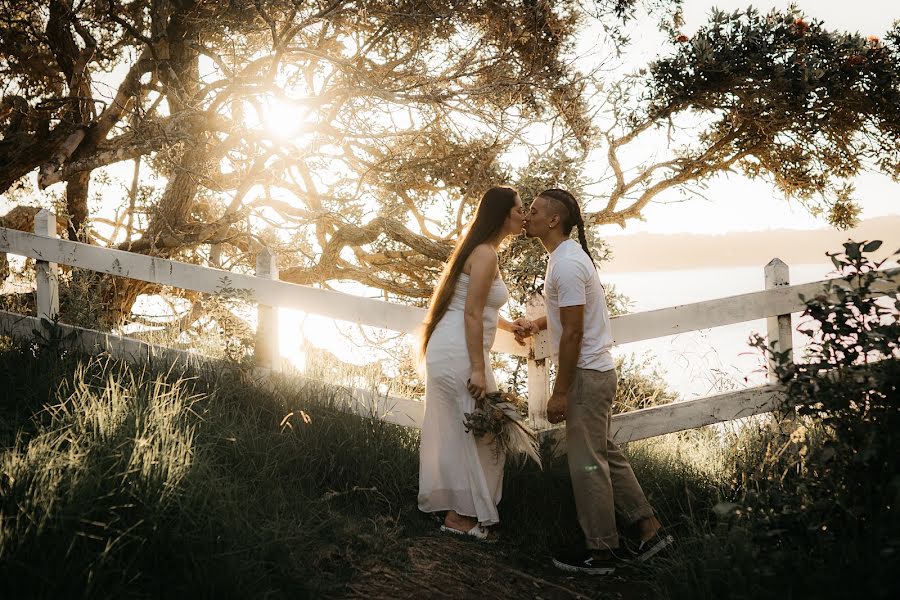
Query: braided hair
[570, 214]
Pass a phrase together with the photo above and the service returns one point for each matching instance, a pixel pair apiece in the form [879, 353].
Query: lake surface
[714, 360]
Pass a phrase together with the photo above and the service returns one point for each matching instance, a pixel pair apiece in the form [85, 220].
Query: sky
[734, 203]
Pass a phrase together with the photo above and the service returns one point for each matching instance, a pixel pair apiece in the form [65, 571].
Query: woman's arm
[483, 262]
[505, 325]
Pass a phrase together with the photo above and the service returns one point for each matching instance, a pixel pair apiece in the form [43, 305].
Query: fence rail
[626, 427]
[209, 280]
[776, 303]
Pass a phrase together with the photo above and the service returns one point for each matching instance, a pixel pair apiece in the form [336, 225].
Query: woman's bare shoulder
[482, 254]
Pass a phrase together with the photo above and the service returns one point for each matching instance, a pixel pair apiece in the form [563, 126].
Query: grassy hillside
[120, 481]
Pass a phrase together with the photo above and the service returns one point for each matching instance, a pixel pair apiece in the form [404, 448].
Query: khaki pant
[602, 479]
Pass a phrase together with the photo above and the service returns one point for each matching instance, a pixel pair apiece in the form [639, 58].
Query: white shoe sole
[586, 570]
[477, 532]
[656, 548]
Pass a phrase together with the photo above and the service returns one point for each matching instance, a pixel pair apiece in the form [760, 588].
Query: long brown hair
[571, 215]
[491, 214]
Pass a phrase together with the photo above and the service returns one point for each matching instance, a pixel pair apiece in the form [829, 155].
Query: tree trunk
[77, 206]
[118, 295]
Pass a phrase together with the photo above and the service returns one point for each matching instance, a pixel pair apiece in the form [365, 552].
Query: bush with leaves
[837, 477]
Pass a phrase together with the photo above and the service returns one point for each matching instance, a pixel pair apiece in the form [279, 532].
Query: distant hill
[664, 252]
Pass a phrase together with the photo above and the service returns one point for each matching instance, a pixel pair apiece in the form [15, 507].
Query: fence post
[266, 349]
[47, 289]
[538, 369]
[780, 331]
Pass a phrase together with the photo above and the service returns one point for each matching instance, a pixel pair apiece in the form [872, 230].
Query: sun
[284, 120]
[280, 118]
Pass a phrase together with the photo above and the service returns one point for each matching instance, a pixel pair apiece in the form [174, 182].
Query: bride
[459, 473]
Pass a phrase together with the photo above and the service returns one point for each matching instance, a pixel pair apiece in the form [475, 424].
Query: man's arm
[572, 321]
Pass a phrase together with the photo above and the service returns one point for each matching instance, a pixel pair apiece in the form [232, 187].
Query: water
[709, 361]
[694, 364]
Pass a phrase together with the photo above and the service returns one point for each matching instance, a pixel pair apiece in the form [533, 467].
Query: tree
[355, 138]
[783, 98]
[400, 110]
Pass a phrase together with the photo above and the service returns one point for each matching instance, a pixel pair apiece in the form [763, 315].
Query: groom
[578, 320]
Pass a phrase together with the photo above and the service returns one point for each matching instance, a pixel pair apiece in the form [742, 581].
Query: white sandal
[478, 532]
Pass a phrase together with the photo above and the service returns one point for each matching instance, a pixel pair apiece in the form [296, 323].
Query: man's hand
[556, 407]
[523, 328]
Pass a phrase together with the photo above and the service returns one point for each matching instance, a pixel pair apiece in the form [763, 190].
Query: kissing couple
[461, 475]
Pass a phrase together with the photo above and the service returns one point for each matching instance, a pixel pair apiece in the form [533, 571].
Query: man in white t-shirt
[584, 390]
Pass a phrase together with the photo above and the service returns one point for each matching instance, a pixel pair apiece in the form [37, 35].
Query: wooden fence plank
[626, 328]
[392, 409]
[345, 307]
[673, 320]
[45, 272]
[538, 369]
[639, 424]
[266, 348]
[779, 329]
[678, 416]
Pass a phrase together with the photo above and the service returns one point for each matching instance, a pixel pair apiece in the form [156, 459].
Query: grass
[117, 481]
[132, 482]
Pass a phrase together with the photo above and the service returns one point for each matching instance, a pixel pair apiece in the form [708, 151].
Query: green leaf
[835, 261]
[872, 246]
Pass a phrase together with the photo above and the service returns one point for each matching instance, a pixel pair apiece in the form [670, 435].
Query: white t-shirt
[572, 281]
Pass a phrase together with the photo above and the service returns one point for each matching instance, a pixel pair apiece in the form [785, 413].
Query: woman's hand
[523, 328]
[477, 384]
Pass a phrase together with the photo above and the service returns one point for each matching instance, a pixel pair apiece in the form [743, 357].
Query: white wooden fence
[775, 303]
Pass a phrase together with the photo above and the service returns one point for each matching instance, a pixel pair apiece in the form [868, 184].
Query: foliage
[78, 303]
[121, 481]
[50, 341]
[786, 99]
[615, 15]
[306, 128]
[640, 385]
[844, 474]
[807, 499]
[809, 504]
[355, 142]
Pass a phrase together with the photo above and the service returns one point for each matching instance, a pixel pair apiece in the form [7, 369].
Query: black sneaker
[644, 550]
[582, 561]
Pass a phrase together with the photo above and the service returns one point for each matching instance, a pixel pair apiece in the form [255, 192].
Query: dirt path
[445, 567]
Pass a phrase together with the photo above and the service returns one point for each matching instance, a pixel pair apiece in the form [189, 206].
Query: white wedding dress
[457, 471]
